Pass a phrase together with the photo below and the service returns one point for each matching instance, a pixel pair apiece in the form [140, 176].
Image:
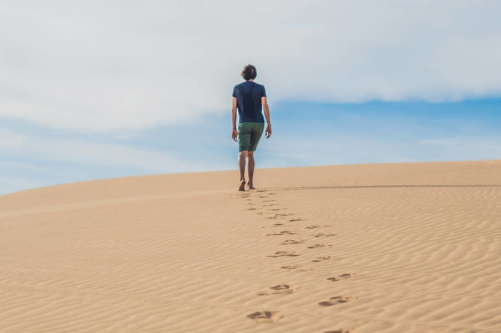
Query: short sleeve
[234, 91]
[263, 92]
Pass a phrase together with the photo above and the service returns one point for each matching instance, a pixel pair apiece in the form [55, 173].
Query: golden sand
[413, 247]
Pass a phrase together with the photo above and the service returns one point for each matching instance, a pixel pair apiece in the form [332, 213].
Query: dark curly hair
[249, 72]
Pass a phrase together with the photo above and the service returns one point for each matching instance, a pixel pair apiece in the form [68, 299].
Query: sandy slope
[368, 248]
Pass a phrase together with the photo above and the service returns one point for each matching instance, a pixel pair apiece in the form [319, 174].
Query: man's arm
[234, 133]
[267, 115]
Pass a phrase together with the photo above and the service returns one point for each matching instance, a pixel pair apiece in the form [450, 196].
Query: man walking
[249, 98]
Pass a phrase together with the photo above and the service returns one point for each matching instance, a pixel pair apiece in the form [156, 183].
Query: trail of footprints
[272, 210]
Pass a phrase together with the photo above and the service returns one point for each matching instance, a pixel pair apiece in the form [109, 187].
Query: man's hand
[234, 135]
[268, 131]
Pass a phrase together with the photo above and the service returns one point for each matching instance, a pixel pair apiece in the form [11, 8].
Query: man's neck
[251, 80]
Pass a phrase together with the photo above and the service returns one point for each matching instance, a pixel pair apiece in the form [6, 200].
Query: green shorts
[249, 135]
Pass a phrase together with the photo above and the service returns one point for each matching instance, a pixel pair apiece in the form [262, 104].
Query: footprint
[278, 289]
[265, 316]
[252, 208]
[319, 259]
[324, 235]
[349, 275]
[269, 205]
[281, 287]
[344, 277]
[260, 213]
[296, 220]
[337, 300]
[293, 241]
[343, 331]
[317, 246]
[284, 254]
[269, 200]
[312, 227]
[296, 267]
[276, 216]
[281, 233]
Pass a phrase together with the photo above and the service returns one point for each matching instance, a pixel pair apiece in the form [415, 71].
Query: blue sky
[102, 89]
[304, 134]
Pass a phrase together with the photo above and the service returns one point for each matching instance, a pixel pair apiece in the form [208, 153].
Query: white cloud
[332, 149]
[128, 65]
[86, 153]
[13, 184]
[465, 147]
[449, 142]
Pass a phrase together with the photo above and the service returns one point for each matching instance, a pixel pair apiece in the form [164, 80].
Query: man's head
[249, 72]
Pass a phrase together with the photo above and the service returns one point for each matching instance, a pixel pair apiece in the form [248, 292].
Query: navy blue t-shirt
[249, 104]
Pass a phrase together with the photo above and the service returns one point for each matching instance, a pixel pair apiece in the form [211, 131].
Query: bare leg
[250, 157]
[241, 163]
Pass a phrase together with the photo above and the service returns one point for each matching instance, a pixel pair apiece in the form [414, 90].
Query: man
[250, 98]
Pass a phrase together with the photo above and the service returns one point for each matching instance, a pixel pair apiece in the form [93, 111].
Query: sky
[101, 89]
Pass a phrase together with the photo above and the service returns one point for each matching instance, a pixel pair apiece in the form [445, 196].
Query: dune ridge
[409, 247]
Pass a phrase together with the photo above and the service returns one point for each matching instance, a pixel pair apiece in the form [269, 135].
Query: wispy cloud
[439, 142]
[487, 147]
[13, 184]
[87, 153]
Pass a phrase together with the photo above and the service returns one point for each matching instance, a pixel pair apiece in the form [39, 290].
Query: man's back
[250, 99]
[248, 95]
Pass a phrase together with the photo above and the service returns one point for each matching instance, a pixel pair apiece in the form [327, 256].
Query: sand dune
[413, 247]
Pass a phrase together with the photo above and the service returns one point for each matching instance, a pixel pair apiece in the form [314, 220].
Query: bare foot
[251, 187]
[242, 185]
